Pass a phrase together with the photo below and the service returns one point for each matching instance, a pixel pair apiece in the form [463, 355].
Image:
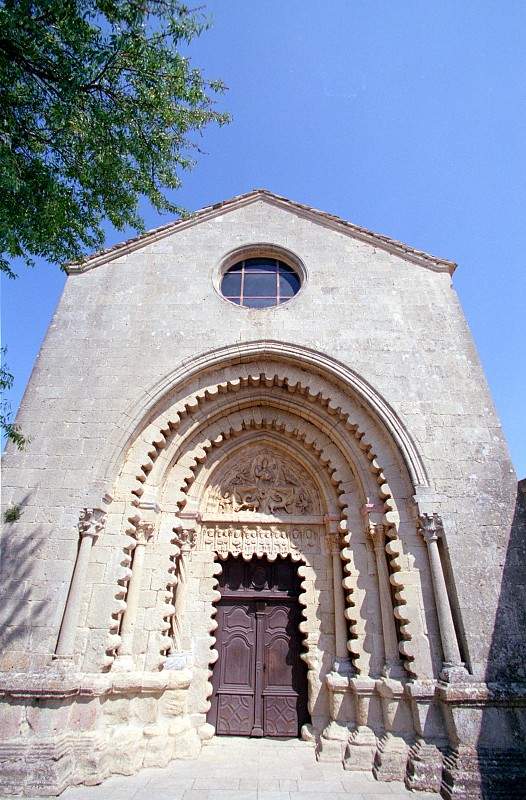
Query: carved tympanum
[266, 483]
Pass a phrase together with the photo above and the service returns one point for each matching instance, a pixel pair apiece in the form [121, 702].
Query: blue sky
[408, 118]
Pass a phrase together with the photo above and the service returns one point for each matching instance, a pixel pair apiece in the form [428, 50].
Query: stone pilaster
[393, 666]
[424, 764]
[335, 736]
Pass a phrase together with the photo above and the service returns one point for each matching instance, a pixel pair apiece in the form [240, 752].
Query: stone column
[142, 533]
[335, 736]
[185, 539]
[393, 666]
[91, 523]
[343, 662]
[431, 528]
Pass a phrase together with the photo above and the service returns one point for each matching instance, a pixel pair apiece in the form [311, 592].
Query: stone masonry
[350, 430]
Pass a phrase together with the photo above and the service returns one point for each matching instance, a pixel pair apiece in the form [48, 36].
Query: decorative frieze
[258, 540]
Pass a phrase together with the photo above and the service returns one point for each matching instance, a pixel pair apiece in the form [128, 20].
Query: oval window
[260, 283]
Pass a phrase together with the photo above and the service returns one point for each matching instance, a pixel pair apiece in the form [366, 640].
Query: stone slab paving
[232, 768]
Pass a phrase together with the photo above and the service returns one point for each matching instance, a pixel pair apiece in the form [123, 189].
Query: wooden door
[259, 681]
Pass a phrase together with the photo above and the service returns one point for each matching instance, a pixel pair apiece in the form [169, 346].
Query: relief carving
[265, 483]
[258, 540]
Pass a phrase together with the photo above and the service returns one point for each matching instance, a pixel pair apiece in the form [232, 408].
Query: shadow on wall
[507, 665]
[21, 609]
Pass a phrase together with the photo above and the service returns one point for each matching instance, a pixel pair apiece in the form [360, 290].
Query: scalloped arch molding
[315, 363]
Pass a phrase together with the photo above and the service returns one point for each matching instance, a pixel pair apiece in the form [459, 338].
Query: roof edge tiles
[208, 212]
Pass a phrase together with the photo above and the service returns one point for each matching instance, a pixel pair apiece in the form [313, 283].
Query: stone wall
[371, 376]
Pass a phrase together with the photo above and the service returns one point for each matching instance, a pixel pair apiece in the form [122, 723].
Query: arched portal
[274, 456]
[262, 498]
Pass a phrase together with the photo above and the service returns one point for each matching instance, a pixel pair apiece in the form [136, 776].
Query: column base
[361, 749]
[123, 663]
[424, 768]
[332, 742]
[454, 673]
[390, 759]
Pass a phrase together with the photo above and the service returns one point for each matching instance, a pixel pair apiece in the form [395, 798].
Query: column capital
[185, 538]
[143, 531]
[377, 532]
[332, 523]
[91, 522]
[430, 527]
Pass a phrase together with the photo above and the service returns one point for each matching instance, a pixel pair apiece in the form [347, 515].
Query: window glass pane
[259, 284]
[259, 302]
[231, 284]
[289, 284]
[261, 264]
[235, 300]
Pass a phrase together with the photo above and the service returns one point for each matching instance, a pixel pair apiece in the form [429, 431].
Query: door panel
[232, 709]
[281, 716]
[235, 714]
[238, 642]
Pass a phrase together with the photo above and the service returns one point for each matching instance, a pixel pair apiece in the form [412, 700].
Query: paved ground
[248, 769]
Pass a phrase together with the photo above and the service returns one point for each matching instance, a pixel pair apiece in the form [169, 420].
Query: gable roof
[321, 217]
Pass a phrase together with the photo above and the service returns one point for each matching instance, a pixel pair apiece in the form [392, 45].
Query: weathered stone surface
[350, 429]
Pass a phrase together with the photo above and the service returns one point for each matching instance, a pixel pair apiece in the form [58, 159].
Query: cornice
[332, 221]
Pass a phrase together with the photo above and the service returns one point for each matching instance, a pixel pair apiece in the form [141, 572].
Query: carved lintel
[272, 541]
[91, 522]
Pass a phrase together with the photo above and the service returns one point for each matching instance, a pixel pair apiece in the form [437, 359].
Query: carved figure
[264, 483]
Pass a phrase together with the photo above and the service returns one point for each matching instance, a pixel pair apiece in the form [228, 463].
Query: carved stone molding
[431, 527]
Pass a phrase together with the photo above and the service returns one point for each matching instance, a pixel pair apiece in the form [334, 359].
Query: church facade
[266, 494]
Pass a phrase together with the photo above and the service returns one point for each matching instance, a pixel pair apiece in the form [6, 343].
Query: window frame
[243, 267]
